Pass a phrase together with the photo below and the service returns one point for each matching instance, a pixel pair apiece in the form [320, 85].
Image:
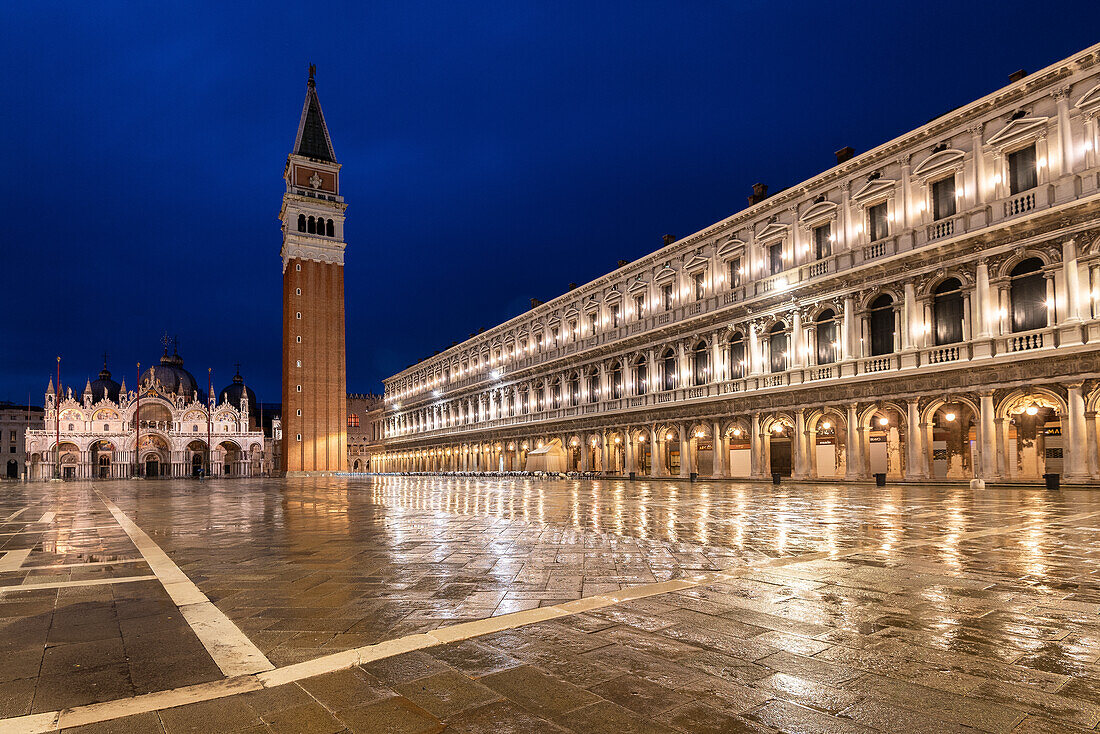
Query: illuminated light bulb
[997, 178]
[641, 438]
[826, 425]
[1032, 410]
[699, 434]
[1040, 163]
[884, 421]
[668, 436]
[1049, 303]
[618, 440]
[890, 217]
[778, 428]
[949, 416]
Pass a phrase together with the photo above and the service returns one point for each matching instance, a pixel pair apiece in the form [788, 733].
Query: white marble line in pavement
[14, 515]
[79, 582]
[47, 517]
[230, 648]
[59, 530]
[88, 564]
[12, 560]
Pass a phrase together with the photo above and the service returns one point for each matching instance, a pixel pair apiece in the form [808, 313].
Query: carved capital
[1060, 93]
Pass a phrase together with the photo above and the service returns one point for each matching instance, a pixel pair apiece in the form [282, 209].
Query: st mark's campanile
[314, 378]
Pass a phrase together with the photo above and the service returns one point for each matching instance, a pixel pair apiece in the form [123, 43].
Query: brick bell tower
[314, 378]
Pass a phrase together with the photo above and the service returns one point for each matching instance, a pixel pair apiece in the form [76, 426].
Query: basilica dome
[172, 375]
[232, 393]
[104, 386]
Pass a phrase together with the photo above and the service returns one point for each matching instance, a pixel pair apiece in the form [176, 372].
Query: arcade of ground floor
[1017, 435]
[492, 605]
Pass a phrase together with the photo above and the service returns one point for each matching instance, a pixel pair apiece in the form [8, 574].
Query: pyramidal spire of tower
[313, 140]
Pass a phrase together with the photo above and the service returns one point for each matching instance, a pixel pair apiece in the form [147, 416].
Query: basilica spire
[313, 140]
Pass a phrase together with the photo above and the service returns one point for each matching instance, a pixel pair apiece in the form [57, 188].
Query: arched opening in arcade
[70, 460]
[227, 457]
[1031, 435]
[102, 456]
[954, 426]
[12, 470]
[778, 445]
[643, 454]
[740, 450]
[828, 444]
[671, 455]
[884, 427]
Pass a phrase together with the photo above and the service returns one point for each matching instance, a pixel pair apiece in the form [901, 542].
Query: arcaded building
[929, 309]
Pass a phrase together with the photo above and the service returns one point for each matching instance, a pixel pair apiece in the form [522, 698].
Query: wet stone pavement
[616, 606]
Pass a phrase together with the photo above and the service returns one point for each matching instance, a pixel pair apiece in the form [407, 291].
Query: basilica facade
[166, 427]
[927, 310]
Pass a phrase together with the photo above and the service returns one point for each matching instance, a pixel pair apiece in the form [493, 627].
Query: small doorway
[781, 455]
[104, 467]
[152, 468]
[13, 469]
[196, 465]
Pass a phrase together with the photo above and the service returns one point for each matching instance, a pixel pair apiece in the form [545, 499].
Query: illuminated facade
[162, 429]
[929, 309]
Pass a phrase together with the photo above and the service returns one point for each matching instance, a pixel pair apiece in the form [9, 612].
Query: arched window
[311, 226]
[882, 325]
[616, 380]
[329, 229]
[574, 389]
[1029, 296]
[301, 222]
[524, 401]
[947, 312]
[736, 354]
[555, 393]
[700, 363]
[668, 369]
[353, 420]
[777, 345]
[593, 386]
[641, 377]
[825, 326]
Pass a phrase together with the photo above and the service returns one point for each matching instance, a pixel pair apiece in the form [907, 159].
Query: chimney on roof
[845, 154]
[572, 286]
[668, 239]
[624, 263]
[759, 193]
[1016, 76]
[535, 302]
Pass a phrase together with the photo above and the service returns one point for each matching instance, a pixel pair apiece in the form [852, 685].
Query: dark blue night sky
[492, 152]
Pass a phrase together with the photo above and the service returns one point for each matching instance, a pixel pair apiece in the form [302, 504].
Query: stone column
[1076, 465]
[910, 321]
[848, 340]
[1071, 273]
[721, 451]
[685, 451]
[756, 454]
[716, 371]
[631, 459]
[999, 447]
[986, 434]
[797, 357]
[605, 453]
[854, 469]
[982, 307]
[1092, 458]
[1052, 300]
[753, 357]
[966, 318]
[914, 459]
[798, 445]
[656, 453]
